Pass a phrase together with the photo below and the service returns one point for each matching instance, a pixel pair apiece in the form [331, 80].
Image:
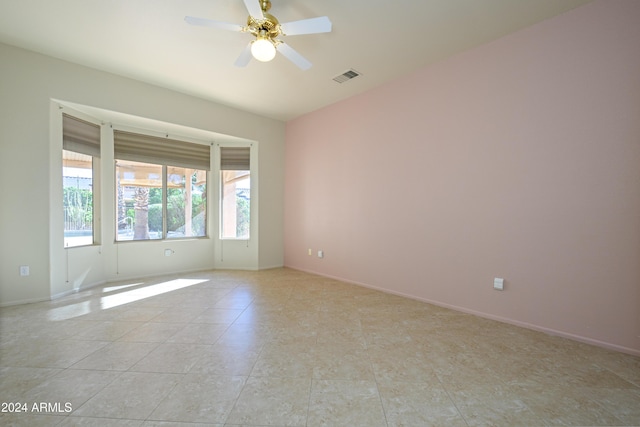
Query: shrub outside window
[186, 202]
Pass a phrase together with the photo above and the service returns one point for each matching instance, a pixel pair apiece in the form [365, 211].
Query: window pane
[139, 192]
[77, 183]
[186, 202]
[236, 198]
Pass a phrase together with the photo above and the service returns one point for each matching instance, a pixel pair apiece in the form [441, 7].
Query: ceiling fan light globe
[263, 50]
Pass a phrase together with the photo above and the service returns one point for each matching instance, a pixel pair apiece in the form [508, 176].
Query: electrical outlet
[168, 252]
[24, 270]
[320, 254]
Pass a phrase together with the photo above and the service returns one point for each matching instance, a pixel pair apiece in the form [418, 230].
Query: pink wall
[519, 159]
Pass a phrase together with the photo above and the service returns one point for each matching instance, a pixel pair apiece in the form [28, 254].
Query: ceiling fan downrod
[265, 5]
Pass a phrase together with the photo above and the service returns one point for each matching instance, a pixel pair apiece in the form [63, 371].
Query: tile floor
[285, 348]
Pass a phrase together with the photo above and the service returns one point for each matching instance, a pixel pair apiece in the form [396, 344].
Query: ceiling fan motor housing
[269, 26]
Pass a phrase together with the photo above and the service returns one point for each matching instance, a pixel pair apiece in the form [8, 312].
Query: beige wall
[519, 159]
[29, 155]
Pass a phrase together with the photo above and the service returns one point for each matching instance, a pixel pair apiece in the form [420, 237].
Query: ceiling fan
[266, 28]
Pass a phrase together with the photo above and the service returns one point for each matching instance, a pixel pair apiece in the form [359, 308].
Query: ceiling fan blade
[215, 24]
[293, 56]
[321, 24]
[253, 6]
[245, 57]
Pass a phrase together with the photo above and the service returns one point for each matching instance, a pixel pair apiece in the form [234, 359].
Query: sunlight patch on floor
[116, 300]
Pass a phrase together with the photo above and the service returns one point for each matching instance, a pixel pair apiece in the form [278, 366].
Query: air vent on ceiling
[346, 76]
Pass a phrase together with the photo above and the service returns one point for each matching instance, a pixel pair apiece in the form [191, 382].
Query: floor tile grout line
[452, 400]
[246, 381]
[97, 392]
[161, 401]
[309, 400]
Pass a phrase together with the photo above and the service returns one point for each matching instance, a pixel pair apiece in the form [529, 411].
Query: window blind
[153, 149]
[80, 136]
[235, 158]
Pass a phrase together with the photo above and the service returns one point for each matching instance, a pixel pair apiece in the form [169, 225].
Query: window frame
[72, 119]
[165, 166]
[220, 189]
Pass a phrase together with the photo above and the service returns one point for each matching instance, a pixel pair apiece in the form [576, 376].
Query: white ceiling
[148, 40]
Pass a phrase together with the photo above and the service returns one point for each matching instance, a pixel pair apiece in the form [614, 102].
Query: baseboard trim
[24, 301]
[549, 331]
